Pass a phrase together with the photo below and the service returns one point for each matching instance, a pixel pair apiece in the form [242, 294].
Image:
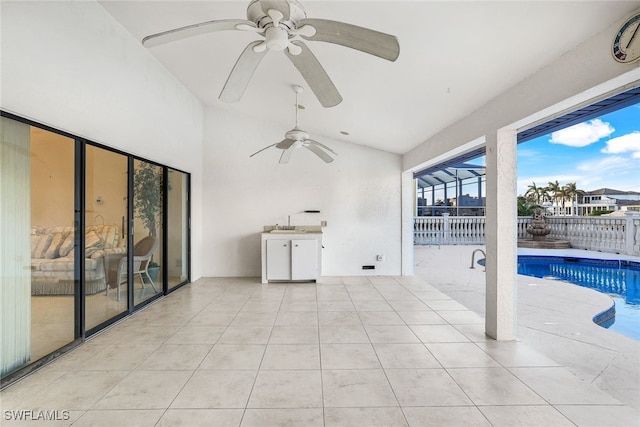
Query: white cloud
[623, 144]
[582, 134]
[607, 164]
[528, 153]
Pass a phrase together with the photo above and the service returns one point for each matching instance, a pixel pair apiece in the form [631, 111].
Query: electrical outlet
[323, 223]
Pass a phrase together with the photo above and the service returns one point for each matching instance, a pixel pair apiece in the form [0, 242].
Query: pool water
[618, 278]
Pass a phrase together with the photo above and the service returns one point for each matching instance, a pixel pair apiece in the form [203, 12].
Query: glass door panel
[52, 222]
[178, 228]
[147, 231]
[105, 235]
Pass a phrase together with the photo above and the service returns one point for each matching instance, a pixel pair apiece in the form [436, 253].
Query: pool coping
[553, 317]
[606, 317]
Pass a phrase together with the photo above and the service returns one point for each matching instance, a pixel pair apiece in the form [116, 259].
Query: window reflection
[177, 228]
[147, 227]
[105, 234]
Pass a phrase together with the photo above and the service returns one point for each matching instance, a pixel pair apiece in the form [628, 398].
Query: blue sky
[603, 152]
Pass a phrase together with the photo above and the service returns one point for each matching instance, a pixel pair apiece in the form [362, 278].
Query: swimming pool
[618, 278]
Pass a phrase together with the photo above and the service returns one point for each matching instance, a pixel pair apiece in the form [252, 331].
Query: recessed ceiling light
[344, 132]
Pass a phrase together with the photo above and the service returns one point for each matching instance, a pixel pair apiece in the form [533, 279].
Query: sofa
[52, 258]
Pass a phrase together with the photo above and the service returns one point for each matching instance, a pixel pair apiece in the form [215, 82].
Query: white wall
[358, 195]
[71, 66]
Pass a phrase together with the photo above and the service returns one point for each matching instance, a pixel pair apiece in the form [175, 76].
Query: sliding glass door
[106, 183]
[39, 239]
[89, 235]
[148, 206]
[177, 228]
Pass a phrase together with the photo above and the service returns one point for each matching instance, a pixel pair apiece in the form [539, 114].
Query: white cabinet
[278, 259]
[291, 257]
[304, 263]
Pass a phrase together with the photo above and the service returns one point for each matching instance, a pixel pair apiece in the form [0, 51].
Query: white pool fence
[619, 234]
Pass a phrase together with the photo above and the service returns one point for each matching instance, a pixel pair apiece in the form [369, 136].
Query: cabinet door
[278, 259]
[304, 261]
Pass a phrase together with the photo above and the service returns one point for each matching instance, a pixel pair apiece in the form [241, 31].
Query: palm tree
[555, 190]
[544, 194]
[533, 193]
[570, 191]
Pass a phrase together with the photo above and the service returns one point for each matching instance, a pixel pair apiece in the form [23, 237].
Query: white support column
[407, 200]
[501, 234]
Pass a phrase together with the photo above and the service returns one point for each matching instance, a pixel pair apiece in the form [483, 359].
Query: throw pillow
[66, 246]
[34, 244]
[42, 244]
[92, 243]
[54, 247]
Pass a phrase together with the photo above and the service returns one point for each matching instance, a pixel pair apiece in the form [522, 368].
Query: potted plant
[147, 195]
[147, 198]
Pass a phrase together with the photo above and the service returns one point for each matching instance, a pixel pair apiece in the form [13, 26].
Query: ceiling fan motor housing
[262, 20]
[296, 134]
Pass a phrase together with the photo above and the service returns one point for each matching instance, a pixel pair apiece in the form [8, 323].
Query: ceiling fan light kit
[283, 23]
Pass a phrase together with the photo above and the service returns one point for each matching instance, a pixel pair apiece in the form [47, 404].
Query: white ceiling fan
[296, 138]
[282, 23]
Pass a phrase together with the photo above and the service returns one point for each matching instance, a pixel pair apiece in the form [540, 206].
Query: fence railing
[606, 234]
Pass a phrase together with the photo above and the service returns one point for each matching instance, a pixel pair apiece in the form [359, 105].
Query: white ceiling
[454, 57]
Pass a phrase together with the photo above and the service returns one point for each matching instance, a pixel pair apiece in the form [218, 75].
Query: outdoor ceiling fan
[296, 138]
[281, 23]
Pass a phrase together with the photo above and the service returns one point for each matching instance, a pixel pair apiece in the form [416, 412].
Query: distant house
[607, 199]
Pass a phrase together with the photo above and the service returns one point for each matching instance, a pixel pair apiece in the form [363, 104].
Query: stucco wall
[358, 195]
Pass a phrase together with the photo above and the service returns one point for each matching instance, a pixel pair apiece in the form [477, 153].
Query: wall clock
[626, 43]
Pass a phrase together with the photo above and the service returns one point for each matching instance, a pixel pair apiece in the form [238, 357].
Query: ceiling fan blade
[261, 150]
[319, 152]
[194, 30]
[363, 39]
[282, 6]
[311, 141]
[285, 144]
[241, 74]
[315, 76]
[286, 155]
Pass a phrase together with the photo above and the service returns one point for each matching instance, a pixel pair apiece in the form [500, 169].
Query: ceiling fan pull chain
[297, 109]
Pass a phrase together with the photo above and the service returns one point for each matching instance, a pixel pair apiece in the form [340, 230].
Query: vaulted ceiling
[455, 56]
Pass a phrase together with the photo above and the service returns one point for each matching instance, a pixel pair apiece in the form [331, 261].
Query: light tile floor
[553, 317]
[351, 351]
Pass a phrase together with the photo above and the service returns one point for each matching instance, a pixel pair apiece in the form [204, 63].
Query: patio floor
[554, 318]
[351, 351]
